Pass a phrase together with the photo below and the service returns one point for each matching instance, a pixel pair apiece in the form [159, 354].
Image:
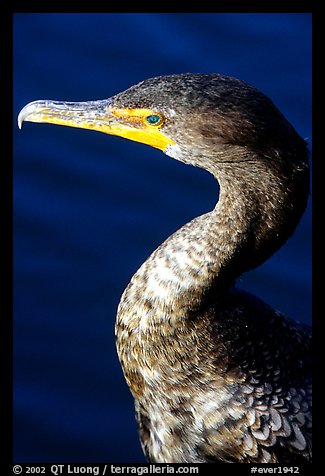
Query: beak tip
[22, 116]
[28, 111]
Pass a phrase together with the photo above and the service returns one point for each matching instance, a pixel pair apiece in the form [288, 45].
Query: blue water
[89, 208]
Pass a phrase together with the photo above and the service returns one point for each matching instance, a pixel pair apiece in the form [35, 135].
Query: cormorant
[217, 375]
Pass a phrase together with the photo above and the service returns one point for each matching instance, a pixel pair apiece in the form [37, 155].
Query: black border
[6, 188]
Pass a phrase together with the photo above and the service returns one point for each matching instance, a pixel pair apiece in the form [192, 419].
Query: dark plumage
[217, 375]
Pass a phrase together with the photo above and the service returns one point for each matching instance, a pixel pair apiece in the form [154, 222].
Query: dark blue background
[89, 208]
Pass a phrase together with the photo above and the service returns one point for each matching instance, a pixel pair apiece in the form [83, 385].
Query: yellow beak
[99, 116]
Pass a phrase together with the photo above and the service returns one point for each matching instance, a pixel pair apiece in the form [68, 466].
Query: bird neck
[257, 211]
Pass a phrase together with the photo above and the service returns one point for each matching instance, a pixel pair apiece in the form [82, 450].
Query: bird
[217, 375]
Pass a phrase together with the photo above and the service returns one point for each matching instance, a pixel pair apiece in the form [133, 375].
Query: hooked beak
[99, 116]
[86, 115]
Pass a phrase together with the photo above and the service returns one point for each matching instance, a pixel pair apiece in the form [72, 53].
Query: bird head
[195, 118]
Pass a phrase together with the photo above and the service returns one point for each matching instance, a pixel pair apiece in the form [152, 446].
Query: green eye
[153, 119]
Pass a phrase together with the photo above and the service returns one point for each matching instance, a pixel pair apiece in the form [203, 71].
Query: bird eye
[154, 119]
